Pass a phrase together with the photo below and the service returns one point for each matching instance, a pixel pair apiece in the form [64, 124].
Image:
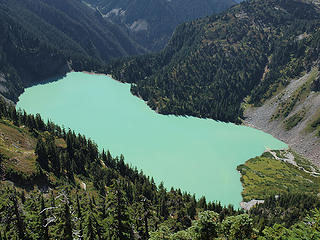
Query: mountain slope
[42, 39]
[292, 115]
[57, 185]
[53, 181]
[210, 65]
[152, 22]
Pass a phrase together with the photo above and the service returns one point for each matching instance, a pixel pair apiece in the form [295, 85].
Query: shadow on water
[15, 100]
[48, 80]
[171, 149]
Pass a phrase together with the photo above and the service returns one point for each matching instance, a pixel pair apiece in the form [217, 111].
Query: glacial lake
[197, 155]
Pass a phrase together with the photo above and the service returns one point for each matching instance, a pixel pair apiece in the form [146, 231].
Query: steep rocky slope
[292, 115]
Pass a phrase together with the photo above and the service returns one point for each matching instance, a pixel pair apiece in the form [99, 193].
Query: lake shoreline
[102, 74]
[226, 178]
[244, 205]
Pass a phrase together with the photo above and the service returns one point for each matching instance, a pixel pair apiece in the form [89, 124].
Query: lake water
[197, 155]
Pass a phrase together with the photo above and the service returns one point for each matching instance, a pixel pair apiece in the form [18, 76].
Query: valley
[169, 148]
[175, 97]
[152, 23]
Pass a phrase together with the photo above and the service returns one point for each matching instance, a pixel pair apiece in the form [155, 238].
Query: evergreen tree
[19, 223]
[238, 227]
[79, 216]
[44, 234]
[53, 155]
[191, 210]
[66, 222]
[118, 216]
[90, 233]
[42, 154]
[207, 226]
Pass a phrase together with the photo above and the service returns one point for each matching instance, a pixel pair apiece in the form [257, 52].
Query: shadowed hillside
[152, 22]
[42, 39]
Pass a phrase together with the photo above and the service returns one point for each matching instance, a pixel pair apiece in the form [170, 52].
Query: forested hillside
[55, 184]
[41, 39]
[211, 65]
[152, 22]
[85, 192]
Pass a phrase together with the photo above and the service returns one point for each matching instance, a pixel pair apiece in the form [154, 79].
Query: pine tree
[79, 216]
[147, 215]
[191, 210]
[53, 155]
[42, 154]
[207, 226]
[67, 224]
[90, 232]
[44, 234]
[118, 216]
[109, 160]
[19, 224]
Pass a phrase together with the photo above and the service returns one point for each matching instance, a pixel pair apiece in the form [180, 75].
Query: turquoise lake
[197, 155]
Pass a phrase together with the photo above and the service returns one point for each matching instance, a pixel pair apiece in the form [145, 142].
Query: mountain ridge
[151, 23]
[42, 39]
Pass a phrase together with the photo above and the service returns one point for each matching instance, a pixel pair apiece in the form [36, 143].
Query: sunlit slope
[211, 65]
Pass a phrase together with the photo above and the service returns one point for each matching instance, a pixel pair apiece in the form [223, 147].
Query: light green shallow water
[197, 155]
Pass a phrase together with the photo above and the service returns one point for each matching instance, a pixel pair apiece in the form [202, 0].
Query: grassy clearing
[60, 142]
[264, 176]
[17, 147]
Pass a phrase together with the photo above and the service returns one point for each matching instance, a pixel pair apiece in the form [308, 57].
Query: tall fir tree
[44, 233]
[42, 154]
[118, 214]
[66, 223]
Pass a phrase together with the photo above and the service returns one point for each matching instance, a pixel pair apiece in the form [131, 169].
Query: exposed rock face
[248, 205]
[298, 137]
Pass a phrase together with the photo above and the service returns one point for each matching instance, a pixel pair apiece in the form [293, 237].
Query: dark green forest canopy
[75, 190]
[210, 65]
[43, 39]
